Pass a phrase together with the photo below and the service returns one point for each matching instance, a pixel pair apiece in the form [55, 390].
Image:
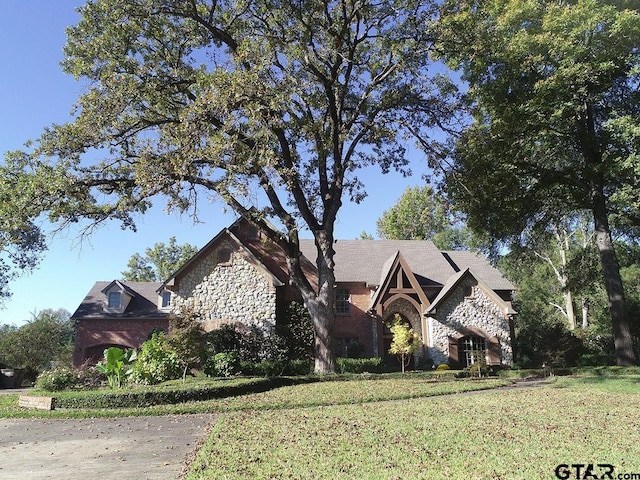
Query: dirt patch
[131, 447]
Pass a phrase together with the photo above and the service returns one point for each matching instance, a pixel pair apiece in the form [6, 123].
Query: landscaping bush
[156, 362]
[299, 367]
[358, 365]
[225, 364]
[443, 366]
[165, 395]
[56, 379]
[273, 369]
[65, 378]
[263, 369]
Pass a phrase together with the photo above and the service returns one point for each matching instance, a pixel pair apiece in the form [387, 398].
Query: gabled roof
[144, 303]
[396, 268]
[278, 277]
[120, 286]
[364, 261]
[456, 279]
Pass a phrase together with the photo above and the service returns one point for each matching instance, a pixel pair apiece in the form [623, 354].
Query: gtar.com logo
[591, 471]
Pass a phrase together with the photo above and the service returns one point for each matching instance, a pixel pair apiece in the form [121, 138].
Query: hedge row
[155, 396]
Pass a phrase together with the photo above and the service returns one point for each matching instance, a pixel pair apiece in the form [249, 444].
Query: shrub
[156, 362]
[65, 378]
[117, 365]
[296, 329]
[547, 343]
[443, 366]
[299, 367]
[358, 365]
[265, 368]
[56, 379]
[224, 364]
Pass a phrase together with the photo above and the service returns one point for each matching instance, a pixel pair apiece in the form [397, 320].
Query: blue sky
[35, 93]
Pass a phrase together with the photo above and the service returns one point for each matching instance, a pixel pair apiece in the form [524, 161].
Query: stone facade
[235, 291]
[459, 311]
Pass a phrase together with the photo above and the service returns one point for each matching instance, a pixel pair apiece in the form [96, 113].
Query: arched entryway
[408, 312]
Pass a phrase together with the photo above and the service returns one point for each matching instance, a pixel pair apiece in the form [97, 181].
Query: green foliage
[55, 379]
[251, 343]
[187, 338]
[22, 242]
[420, 214]
[443, 366]
[223, 364]
[159, 262]
[48, 336]
[164, 394]
[555, 123]
[117, 365]
[156, 362]
[65, 378]
[405, 342]
[291, 98]
[296, 329]
[226, 338]
[548, 344]
[359, 365]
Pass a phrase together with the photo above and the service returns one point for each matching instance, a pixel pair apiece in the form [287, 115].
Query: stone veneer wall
[478, 311]
[230, 292]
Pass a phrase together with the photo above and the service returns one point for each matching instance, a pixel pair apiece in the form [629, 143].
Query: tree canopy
[553, 88]
[159, 262]
[272, 107]
[420, 214]
[47, 336]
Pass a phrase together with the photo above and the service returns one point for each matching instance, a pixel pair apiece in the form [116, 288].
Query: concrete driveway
[131, 447]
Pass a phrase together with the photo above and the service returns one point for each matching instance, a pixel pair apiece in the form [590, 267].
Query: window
[114, 300]
[472, 349]
[343, 301]
[224, 255]
[166, 299]
[252, 233]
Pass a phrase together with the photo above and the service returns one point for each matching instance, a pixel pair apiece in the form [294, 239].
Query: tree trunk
[571, 314]
[625, 355]
[585, 313]
[320, 301]
[323, 321]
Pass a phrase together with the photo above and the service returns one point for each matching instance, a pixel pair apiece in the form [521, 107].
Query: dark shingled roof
[364, 260]
[143, 304]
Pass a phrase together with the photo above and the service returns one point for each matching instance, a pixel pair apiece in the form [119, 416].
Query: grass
[338, 390]
[497, 435]
[402, 427]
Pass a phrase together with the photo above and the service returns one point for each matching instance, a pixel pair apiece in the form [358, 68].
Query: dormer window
[166, 299]
[117, 297]
[115, 300]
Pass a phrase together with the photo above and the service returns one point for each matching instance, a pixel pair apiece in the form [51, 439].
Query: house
[456, 301]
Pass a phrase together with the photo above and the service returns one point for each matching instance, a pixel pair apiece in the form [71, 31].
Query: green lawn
[493, 435]
[406, 427]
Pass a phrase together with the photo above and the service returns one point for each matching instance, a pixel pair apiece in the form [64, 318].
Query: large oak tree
[554, 88]
[187, 99]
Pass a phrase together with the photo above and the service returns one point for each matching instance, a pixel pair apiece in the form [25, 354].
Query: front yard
[401, 427]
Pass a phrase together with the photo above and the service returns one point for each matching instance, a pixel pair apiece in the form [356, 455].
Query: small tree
[187, 338]
[405, 342]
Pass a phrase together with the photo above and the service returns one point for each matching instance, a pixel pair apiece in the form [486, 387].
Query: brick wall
[93, 335]
[358, 323]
